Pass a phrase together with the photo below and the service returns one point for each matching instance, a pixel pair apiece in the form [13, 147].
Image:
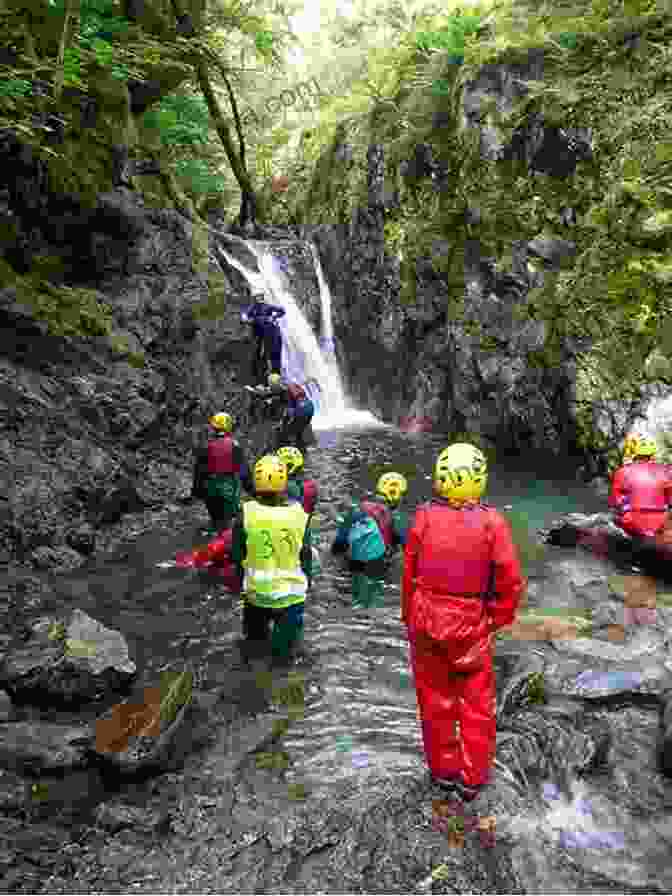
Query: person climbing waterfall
[641, 491]
[369, 532]
[298, 411]
[461, 582]
[219, 471]
[264, 320]
[271, 550]
[299, 489]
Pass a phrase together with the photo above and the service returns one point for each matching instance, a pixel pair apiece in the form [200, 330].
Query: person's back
[220, 470]
[368, 530]
[461, 582]
[641, 492]
[272, 554]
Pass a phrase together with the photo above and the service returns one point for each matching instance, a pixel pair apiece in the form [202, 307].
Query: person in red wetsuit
[462, 581]
[641, 491]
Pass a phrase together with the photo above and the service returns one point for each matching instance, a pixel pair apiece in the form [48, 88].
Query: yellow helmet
[461, 472]
[270, 475]
[392, 486]
[645, 447]
[274, 379]
[630, 445]
[222, 422]
[291, 457]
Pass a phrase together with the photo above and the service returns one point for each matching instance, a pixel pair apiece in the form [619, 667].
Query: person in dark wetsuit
[264, 320]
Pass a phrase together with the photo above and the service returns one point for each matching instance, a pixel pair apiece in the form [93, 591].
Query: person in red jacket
[462, 581]
[641, 491]
[220, 468]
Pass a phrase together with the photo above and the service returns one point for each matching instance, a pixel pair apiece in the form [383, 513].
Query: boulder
[69, 663]
[31, 748]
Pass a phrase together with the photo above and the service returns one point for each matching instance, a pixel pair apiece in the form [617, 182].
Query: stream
[337, 798]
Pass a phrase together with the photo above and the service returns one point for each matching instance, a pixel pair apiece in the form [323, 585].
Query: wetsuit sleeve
[508, 580]
[200, 473]
[307, 553]
[399, 526]
[340, 543]
[617, 494]
[411, 552]
[245, 474]
[238, 548]
[668, 487]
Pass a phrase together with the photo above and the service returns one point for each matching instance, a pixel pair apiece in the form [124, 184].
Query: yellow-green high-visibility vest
[273, 574]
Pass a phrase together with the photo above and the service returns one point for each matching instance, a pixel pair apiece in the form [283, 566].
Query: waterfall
[303, 360]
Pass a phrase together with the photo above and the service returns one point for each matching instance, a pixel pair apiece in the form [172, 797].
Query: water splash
[303, 360]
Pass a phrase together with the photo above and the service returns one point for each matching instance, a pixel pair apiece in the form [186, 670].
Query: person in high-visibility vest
[271, 550]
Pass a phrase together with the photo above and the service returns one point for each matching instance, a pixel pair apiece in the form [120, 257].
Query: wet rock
[665, 751]
[31, 748]
[13, 791]
[56, 558]
[517, 690]
[82, 539]
[73, 663]
[6, 707]
[119, 814]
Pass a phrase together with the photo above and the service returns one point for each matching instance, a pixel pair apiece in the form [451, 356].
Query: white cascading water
[302, 359]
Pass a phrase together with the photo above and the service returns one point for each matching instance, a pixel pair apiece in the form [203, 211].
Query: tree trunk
[71, 7]
[250, 207]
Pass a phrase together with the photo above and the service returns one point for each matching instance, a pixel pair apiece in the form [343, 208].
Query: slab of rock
[69, 663]
[31, 748]
[644, 643]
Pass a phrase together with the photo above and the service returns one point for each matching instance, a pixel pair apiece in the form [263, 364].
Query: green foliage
[536, 690]
[450, 37]
[66, 311]
[197, 175]
[15, 87]
[181, 119]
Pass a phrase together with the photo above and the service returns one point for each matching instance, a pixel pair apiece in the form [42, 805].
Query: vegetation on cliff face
[607, 69]
[107, 92]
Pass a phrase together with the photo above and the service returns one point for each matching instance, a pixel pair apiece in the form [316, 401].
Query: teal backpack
[365, 539]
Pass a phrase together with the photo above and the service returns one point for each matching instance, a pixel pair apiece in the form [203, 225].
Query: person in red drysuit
[641, 492]
[462, 581]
